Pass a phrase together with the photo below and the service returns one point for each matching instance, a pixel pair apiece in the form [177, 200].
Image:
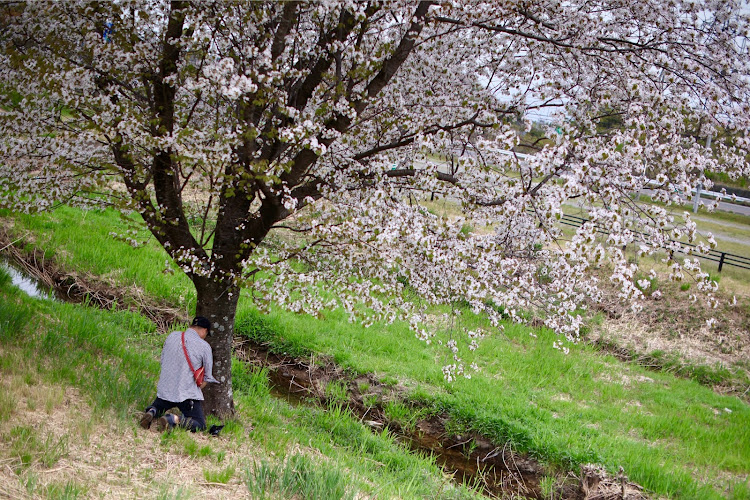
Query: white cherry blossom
[333, 122]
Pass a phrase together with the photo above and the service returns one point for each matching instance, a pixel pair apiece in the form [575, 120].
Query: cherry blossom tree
[330, 122]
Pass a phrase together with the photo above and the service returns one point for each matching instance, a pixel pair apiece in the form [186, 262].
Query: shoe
[146, 419]
[167, 422]
[161, 424]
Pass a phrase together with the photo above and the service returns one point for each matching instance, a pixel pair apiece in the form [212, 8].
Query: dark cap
[202, 322]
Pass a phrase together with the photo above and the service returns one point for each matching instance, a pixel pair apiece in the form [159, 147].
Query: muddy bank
[494, 468]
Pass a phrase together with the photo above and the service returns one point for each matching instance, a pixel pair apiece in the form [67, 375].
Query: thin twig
[10, 244]
[459, 444]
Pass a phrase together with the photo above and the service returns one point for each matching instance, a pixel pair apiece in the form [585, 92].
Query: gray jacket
[176, 382]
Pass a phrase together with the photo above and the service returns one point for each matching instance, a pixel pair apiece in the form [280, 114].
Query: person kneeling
[186, 368]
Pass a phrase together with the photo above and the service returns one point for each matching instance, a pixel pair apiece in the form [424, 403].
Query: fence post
[697, 198]
[721, 261]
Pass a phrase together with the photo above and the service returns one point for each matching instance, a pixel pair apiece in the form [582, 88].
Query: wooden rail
[713, 255]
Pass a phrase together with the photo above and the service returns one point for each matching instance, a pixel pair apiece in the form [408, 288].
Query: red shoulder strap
[184, 349]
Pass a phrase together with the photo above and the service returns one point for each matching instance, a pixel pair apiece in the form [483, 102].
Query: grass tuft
[70, 490]
[13, 319]
[336, 393]
[248, 380]
[299, 477]
[222, 476]
[28, 448]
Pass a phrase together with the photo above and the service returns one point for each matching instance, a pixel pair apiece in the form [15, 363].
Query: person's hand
[203, 385]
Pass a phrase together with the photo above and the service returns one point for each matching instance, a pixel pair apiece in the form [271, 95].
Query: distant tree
[254, 117]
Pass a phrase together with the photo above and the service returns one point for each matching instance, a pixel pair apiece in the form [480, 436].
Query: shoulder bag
[197, 374]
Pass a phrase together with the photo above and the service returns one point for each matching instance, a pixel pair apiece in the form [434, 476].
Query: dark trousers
[192, 412]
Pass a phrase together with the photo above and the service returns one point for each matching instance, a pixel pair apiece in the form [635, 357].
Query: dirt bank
[75, 287]
[672, 333]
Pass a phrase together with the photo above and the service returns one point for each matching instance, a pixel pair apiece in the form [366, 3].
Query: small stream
[498, 472]
[27, 284]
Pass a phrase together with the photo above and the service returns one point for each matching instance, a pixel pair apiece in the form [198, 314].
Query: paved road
[731, 207]
[723, 205]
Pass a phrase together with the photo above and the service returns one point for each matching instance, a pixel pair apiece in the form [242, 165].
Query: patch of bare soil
[673, 332]
[98, 456]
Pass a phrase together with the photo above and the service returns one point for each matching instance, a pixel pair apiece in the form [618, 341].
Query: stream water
[27, 284]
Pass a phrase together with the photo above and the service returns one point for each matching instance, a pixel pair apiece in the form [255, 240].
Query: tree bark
[218, 302]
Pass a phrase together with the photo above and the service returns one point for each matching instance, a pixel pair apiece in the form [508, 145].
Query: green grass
[82, 241]
[112, 358]
[723, 178]
[338, 435]
[28, 447]
[221, 476]
[716, 375]
[557, 407]
[297, 476]
[671, 435]
[69, 490]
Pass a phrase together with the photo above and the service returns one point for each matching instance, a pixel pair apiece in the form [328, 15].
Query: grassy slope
[54, 446]
[672, 436]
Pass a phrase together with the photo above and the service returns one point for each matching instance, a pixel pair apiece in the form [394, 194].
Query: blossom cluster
[338, 122]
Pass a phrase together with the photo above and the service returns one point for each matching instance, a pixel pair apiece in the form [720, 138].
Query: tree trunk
[218, 303]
